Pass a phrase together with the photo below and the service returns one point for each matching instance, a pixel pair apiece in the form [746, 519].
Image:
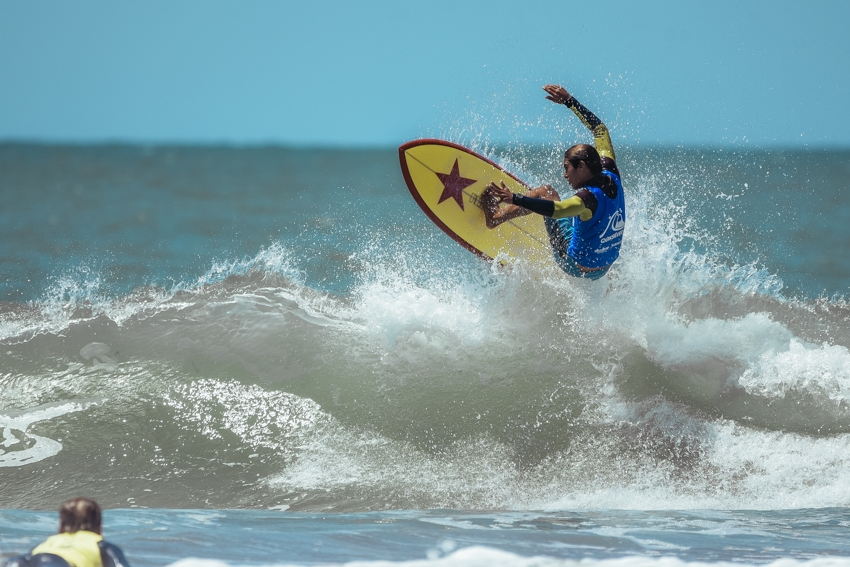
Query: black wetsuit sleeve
[584, 114]
[543, 207]
[601, 138]
[18, 561]
[111, 555]
[37, 560]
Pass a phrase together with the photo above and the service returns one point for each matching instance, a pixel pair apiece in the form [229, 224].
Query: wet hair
[79, 514]
[587, 154]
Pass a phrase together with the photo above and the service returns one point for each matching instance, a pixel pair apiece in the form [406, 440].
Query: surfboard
[446, 180]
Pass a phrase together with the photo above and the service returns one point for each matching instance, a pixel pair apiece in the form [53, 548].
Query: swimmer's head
[79, 514]
[587, 154]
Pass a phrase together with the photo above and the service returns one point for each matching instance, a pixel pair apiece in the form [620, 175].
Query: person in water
[585, 230]
[79, 542]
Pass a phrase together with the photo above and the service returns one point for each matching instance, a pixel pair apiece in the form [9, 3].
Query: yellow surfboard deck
[447, 181]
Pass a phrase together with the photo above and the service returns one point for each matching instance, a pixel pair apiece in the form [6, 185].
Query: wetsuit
[78, 549]
[586, 239]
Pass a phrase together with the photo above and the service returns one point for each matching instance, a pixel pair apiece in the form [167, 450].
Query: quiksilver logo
[616, 223]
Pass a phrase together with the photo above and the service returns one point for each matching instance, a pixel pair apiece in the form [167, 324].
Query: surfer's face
[576, 173]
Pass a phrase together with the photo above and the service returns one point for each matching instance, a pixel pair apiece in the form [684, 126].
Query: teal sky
[378, 73]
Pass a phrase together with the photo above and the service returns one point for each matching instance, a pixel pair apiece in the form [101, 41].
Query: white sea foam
[481, 556]
[20, 446]
[260, 418]
[819, 370]
[398, 308]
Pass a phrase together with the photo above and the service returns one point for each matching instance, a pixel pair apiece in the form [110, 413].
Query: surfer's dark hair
[79, 514]
[587, 154]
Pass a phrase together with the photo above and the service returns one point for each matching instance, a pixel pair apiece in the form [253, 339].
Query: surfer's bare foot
[494, 194]
[490, 206]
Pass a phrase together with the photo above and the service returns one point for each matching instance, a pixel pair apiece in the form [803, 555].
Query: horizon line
[312, 146]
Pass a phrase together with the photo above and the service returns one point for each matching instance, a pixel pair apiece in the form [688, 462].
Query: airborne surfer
[585, 230]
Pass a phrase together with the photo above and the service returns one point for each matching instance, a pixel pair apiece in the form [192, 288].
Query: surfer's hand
[500, 192]
[558, 94]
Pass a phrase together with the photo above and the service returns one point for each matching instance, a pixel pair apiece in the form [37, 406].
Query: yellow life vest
[79, 548]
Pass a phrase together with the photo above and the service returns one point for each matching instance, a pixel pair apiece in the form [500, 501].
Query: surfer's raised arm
[601, 137]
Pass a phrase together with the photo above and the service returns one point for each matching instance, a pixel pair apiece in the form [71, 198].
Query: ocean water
[271, 356]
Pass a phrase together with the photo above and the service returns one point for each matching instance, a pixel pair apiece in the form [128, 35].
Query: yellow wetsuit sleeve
[601, 137]
[572, 207]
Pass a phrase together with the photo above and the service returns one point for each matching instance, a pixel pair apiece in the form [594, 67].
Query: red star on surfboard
[453, 185]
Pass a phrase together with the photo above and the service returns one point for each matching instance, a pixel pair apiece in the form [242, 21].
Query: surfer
[585, 230]
[79, 542]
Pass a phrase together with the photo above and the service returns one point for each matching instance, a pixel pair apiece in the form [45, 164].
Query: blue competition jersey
[596, 242]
